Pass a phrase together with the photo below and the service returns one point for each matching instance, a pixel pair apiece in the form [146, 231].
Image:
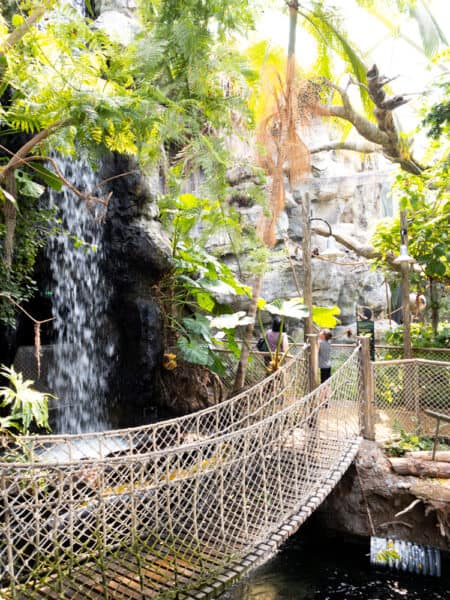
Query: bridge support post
[313, 341]
[367, 389]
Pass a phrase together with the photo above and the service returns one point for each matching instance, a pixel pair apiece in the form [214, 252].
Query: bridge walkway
[178, 509]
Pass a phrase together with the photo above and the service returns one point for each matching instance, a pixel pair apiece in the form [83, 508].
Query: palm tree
[282, 149]
[284, 152]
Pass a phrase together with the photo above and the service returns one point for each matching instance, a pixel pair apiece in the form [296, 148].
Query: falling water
[80, 300]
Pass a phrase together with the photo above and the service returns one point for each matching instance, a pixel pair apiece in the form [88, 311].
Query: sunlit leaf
[325, 317]
[292, 308]
[232, 321]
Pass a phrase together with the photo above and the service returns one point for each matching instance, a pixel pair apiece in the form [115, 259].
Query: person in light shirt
[325, 354]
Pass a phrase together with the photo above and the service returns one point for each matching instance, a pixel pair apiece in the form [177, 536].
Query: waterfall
[83, 352]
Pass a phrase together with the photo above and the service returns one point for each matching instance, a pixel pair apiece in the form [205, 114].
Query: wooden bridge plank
[122, 576]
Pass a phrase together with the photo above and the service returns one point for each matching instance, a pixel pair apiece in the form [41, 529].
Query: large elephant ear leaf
[231, 321]
[325, 317]
[292, 308]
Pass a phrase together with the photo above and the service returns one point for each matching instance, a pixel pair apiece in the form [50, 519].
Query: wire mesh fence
[404, 389]
[168, 512]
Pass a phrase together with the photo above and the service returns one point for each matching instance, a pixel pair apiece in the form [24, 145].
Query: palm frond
[431, 34]
[329, 33]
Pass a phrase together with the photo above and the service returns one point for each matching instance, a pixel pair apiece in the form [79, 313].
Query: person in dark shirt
[273, 336]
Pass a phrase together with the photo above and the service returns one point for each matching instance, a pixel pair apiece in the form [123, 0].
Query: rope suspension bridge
[182, 508]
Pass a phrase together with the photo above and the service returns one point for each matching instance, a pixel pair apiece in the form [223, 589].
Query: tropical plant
[26, 405]
[282, 102]
[171, 94]
[422, 336]
[408, 443]
[294, 309]
[200, 287]
[426, 199]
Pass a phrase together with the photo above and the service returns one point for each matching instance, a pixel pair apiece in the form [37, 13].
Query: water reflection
[310, 568]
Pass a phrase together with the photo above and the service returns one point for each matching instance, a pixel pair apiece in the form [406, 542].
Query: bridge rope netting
[175, 509]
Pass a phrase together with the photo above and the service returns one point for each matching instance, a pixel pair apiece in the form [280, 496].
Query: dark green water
[315, 568]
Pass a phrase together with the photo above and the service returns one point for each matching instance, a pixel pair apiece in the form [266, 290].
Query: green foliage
[26, 405]
[199, 283]
[422, 336]
[326, 25]
[427, 200]
[32, 228]
[391, 12]
[408, 443]
[196, 344]
[168, 93]
[26, 186]
[438, 118]
[292, 308]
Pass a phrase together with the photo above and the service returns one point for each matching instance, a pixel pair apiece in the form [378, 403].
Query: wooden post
[368, 390]
[313, 340]
[405, 267]
[306, 256]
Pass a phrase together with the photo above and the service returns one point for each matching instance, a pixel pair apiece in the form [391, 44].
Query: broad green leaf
[198, 325]
[232, 321]
[204, 300]
[48, 177]
[216, 286]
[216, 365]
[193, 351]
[27, 186]
[292, 308]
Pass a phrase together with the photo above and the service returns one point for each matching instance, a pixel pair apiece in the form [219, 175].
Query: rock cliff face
[137, 254]
[370, 486]
[351, 201]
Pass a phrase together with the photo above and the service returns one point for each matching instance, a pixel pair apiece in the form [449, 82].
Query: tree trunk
[306, 252]
[421, 468]
[405, 290]
[10, 213]
[441, 455]
[434, 302]
[293, 8]
[248, 336]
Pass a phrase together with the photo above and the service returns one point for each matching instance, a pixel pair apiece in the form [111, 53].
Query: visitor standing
[325, 354]
[273, 335]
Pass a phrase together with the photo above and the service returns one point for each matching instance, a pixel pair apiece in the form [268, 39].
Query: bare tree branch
[18, 33]
[364, 127]
[384, 133]
[366, 251]
[19, 157]
[364, 147]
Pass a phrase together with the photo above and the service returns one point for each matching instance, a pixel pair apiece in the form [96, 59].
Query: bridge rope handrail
[175, 431]
[201, 442]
